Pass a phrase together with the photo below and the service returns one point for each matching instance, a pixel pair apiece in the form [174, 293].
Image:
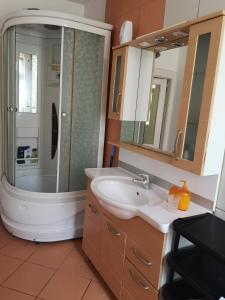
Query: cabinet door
[112, 255]
[92, 232]
[198, 94]
[118, 74]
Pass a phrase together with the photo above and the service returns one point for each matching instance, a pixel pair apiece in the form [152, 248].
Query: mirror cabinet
[167, 91]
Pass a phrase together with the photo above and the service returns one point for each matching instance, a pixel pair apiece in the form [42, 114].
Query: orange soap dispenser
[184, 197]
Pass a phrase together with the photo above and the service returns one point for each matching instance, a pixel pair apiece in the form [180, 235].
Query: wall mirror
[156, 127]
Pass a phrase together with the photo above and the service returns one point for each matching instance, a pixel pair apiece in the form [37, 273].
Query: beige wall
[9, 6]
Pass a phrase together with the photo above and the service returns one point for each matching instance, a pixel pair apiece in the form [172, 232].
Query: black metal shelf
[201, 266]
[202, 271]
[206, 231]
[180, 290]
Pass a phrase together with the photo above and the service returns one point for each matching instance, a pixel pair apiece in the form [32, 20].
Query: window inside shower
[52, 113]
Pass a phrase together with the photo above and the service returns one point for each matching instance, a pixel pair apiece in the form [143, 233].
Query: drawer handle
[112, 230]
[140, 257]
[93, 209]
[176, 144]
[138, 281]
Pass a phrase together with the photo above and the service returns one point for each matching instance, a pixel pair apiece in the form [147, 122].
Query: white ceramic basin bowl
[124, 198]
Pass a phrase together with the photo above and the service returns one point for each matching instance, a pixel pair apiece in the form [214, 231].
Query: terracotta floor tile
[19, 249]
[63, 286]
[7, 294]
[5, 238]
[8, 265]
[50, 255]
[98, 291]
[29, 278]
[77, 268]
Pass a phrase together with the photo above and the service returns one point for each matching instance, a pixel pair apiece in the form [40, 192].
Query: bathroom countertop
[158, 216]
[95, 172]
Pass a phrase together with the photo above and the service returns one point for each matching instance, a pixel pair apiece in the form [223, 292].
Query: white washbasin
[124, 198]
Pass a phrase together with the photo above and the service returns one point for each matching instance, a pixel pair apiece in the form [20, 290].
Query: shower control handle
[64, 114]
[10, 109]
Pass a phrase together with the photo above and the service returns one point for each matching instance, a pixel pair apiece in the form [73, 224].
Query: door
[117, 83]
[80, 114]
[198, 92]
[9, 94]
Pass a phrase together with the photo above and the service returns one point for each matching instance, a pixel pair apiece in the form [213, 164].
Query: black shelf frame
[202, 265]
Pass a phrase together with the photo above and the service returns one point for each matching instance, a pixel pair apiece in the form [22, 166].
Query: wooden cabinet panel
[146, 260]
[112, 255]
[91, 252]
[92, 234]
[194, 158]
[117, 86]
[125, 295]
[137, 285]
[114, 235]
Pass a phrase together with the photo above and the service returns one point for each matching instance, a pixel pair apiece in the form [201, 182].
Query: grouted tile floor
[47, 271]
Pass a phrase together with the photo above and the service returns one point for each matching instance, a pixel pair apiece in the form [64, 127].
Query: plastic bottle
[173, 198]
[184, 197]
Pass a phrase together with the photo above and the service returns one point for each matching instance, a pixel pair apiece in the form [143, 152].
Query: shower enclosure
[55, 70]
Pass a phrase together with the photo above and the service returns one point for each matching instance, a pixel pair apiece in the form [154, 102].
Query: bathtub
[42, 217]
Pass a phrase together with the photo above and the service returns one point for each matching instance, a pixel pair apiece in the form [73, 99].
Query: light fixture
[145, 44]
[160, 39]
[178, 44]
[179, 34]
[160, 49]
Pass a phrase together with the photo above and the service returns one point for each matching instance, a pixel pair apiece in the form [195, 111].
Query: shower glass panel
[80, 118]
[38, 86]
[68, 39]
[9, 88]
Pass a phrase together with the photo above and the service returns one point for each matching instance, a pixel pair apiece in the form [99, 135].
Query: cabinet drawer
[137, 285]
[114, 235]
[148, 263]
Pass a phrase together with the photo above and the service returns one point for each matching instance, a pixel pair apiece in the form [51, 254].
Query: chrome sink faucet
[144, 179]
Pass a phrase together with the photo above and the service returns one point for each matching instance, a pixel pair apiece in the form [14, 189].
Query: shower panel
[53, 106]
[83, 54]
[9, 94]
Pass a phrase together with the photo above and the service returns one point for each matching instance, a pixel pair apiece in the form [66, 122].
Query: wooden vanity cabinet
[127, 253]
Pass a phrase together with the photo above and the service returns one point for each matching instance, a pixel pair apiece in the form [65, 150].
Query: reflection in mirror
[158, 130]
[117, 84]
[196, 95]
[28, 81]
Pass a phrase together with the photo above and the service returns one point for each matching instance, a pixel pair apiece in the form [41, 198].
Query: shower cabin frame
[64, 21]
[54, 216]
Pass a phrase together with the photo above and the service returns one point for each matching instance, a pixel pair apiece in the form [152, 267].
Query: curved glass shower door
[83, 54]
[53, 90]
[9, 93]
